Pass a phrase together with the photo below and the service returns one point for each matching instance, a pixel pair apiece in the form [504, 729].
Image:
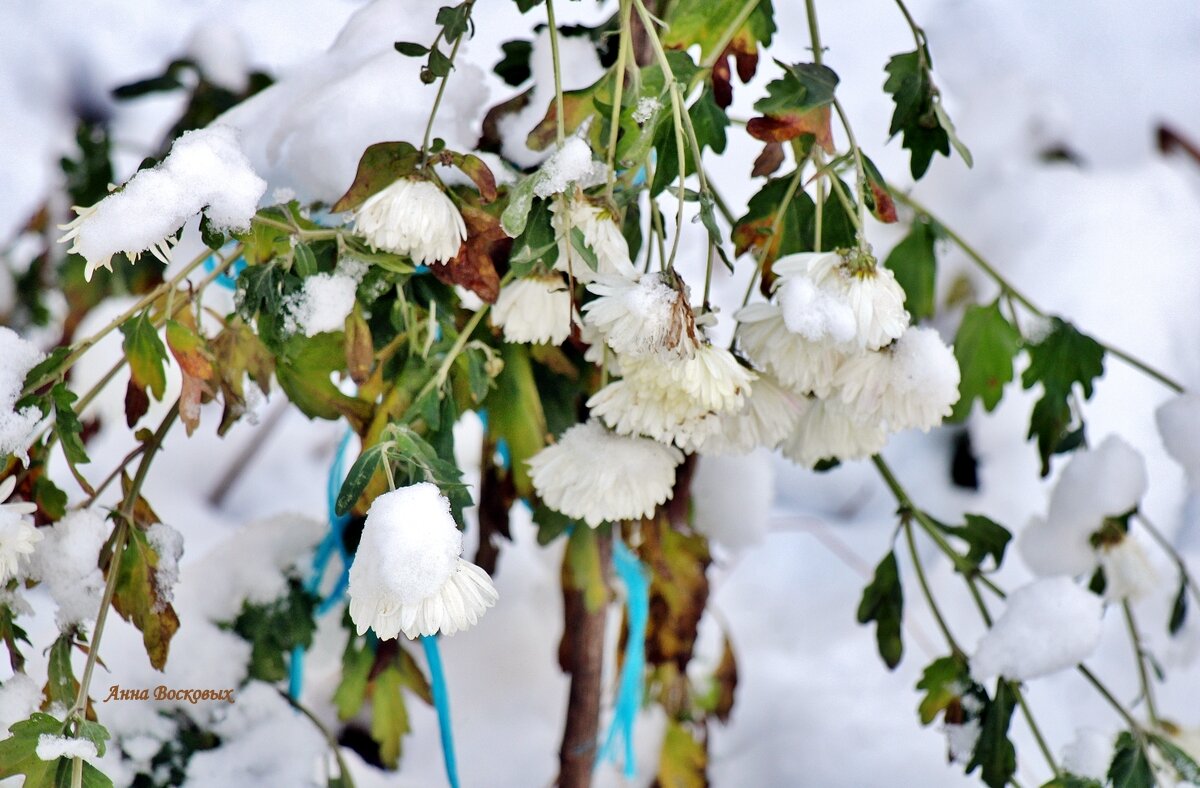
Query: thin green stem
[464, 336]
[1105, 693]
[437, 101]
[303, 235]
[1139, 655]
[1169, 549]
[860, 174]
[814, 31]
[558, 88]
[334, 745]
[918, 33]
[925, 590]
[623, 47]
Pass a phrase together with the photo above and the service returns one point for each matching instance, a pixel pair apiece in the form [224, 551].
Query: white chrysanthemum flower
[407, 575]
[594, 475]
[17, 426]
[912, 383]
[827, 429]
[769, 415]
[18, 535]
[644, 317]
[1128, 573]
[870, 292]
[534, 309]
[819, 314]
[602, 235]
[413, 218]
[678, 402]
[803, 366]
[161, 248]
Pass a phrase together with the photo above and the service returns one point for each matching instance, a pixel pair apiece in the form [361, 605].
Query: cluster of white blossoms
[1086, 526]
[412, 217]
[18, 536]
[846, 367]
[408, 575]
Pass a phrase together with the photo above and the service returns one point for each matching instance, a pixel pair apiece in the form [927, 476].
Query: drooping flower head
[642, 317]
[535, 309]
[827, 428]
[414, 218]
[597, 476]
[18, 536]
[769, 415]
[600, 233]
[407, 575]
[799, 364]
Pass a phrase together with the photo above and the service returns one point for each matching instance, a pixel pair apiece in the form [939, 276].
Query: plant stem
[1140, 656]
[1009, 290]
[623, 47]
[1027, 713]
[814, 31]
[860, 173]
[437, 100]
[1165, 544]
[558, 89]
[334, 745]
[124, 521]
[1105, 693]
[925, 590]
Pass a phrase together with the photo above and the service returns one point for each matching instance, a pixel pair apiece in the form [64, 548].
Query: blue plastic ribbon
[223, 278]
[629, 694]
[441, 702]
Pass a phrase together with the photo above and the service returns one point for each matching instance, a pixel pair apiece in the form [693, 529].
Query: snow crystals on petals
[570, 164]
[1049, 625]
[803, 366]
[18, 535]
[206, 170]
[17, 357]
[407, 575]
[643, 317]
[413, 218]
[596, 476]
[535, 309]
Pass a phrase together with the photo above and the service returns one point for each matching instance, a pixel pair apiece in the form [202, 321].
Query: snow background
[1110, 245]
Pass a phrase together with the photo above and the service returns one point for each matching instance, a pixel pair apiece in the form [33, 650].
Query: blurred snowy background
[1070, 196]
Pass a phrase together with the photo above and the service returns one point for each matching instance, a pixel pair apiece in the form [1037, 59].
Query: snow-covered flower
[1096, 484]
[1089, 754]
[803, 366]
[912, 383]
[414, 218]
[17, 357]
[206, 170]
[594, 475]
[828, 428]
[678, 402]
[601, 234]
[1128, 573]
[769, 415]
[819, 314]
[534, 309]
[570, 164]
[66, 565]
[870, 291]
[1048, 625]
[18, 535]
[407, 575]
[643, 317]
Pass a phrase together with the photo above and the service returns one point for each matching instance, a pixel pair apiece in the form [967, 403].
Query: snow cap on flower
[18, 536]
[1049, 625]
[1128, 573]
[407, 575]
[206, 170]
[912, 383]
[596, 476]
[841, 289]
[412, 217]
[66, 564]
[17, 357]
[642, 317]
[601, 234]
[535, 309]
[828, 428]
[678, 402]
[570, 164]
[802, 366]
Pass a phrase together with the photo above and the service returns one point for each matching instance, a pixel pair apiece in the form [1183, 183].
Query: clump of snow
[206, 170]
[411, 532]
[20, 696]
[1179, 427]
[961, 739]
[645, 109]
[17, 357]
[572, 163]
[168, 545]
[1088, 754]
[219, 51]
[731, 498]
[67, 562]
[1095, 484]
[1048, 626]
[814, 313]
[51, 748]
[326, 300]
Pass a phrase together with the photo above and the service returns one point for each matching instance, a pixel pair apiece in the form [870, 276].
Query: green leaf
[520, 201]
[389, 715]
[985, 346]
[146, 354]
[274, 629]
[18, 754]
[983, 537]
[704, 21]
[67, 425]
[361, 472]
[683, 761]
[214, 239]
[380, 166]
[304, 375]
[50, 367]
[515, 413]
[409, 49]
[537, 245]
[993, 750]
[797, 103]
[139, 600]
[580, 246]
[709, 122]
[439, 64]
[551, 523]
[915, 116]
[61, 684]
[948, 127]
[1179, 609]
[1130, 766]
[915, 265]
[1073, 781]
[304, 261]
[943, 681]
[356, 673]
[49, 498]
[513, 68]
[883, 603]
[1063, 358]
[453, 20]
[1183, 763]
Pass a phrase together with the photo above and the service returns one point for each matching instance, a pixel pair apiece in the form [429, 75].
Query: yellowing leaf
[138, 598]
